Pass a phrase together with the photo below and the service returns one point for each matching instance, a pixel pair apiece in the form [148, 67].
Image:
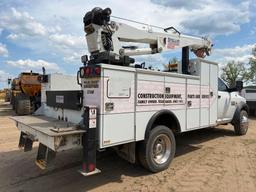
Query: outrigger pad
[25, 142]
[84, 173]
[45, 156]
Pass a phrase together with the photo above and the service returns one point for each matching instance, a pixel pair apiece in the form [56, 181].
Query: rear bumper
[55, 134]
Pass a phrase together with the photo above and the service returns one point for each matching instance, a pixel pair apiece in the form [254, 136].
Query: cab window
[221, 85]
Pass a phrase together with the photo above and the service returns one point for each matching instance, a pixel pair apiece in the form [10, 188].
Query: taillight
[97, 71]
[86, 72]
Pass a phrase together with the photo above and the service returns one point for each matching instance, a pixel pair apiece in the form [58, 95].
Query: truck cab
[229, 101]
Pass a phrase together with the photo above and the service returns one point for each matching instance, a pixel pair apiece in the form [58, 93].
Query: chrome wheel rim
[244, 122]
[161, 149]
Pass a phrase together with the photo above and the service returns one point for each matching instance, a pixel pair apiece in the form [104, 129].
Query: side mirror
[239, 85]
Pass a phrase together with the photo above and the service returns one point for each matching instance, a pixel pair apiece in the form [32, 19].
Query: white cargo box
[128, 97]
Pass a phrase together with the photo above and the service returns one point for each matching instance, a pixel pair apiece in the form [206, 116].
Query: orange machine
[30, 84]
[26, 93]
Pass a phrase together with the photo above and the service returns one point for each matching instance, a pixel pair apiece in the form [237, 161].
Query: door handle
[219, 96]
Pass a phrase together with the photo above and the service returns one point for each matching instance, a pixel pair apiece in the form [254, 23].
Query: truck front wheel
[241, 123]
[157, 151]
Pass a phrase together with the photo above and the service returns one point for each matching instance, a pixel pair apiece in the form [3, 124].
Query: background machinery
[26, 93]
[249, 92]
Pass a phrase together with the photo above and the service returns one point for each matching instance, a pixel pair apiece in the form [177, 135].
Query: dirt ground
[211, 159]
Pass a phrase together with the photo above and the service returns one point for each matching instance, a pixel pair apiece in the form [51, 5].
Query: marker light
[81, 72]
[97, 71]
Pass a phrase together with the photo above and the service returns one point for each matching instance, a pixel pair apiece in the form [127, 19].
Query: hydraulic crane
[105, 40]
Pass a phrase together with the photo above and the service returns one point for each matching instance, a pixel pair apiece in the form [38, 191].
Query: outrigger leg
[89, 142]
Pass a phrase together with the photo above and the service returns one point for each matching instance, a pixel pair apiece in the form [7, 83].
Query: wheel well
[166, 118]
[245, 108]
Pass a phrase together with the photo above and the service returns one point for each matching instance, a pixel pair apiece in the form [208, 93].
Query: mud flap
[127, 152]
[44, 156]
[25, 142]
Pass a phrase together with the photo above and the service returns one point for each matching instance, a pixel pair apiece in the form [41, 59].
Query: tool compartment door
[193, 104]
[214, 94]
[118, 108]
[205, 94]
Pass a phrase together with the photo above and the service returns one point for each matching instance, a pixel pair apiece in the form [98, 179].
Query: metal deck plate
[46, 125]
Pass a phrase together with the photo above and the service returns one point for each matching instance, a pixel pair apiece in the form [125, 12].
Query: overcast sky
[50, 33]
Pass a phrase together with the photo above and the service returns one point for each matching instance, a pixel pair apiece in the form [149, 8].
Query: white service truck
[249, 93]
[133, 109]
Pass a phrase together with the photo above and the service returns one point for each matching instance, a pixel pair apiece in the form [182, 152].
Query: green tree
[232, 72]
[236, 70]
[251, 76]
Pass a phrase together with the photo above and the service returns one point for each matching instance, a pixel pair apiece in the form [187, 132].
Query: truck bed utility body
[133, 96]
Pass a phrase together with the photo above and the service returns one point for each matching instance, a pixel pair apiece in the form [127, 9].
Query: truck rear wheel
[157, 151]
[22, 105]
[241, 123]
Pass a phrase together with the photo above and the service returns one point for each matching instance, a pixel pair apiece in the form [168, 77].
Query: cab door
[224, 102]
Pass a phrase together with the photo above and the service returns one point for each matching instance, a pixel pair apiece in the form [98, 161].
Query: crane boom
[105, 39]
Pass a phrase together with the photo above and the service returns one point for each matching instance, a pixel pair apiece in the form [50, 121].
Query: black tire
[148, 148]
[22, 105]
[240, 122]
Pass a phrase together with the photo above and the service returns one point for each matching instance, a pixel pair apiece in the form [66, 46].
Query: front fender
[241, 106]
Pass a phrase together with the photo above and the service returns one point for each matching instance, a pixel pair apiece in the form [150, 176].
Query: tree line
[234, 71]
